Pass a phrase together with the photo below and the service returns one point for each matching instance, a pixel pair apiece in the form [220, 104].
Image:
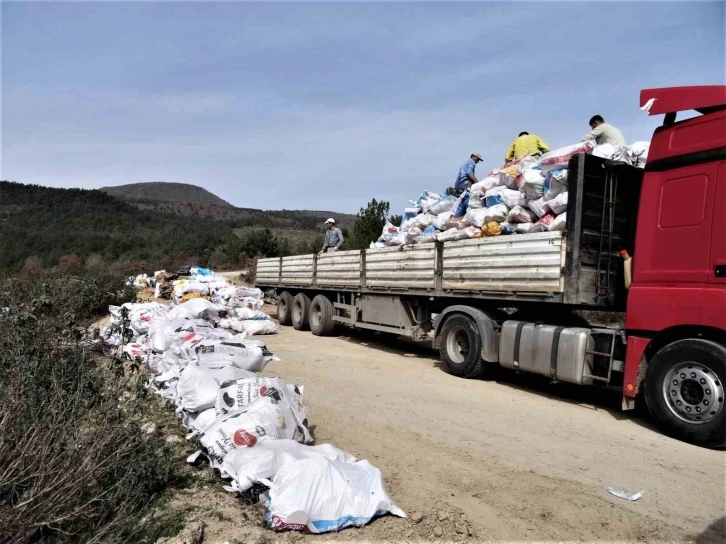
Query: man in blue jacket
[466, 178]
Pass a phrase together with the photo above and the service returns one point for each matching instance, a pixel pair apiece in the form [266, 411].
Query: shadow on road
[592, 398]
[714, 533]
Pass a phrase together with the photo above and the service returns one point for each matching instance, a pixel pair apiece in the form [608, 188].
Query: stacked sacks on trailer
[526, 195]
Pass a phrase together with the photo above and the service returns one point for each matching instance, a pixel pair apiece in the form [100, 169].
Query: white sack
[318, 495]
[213, 354]
[408, 236]
[427, 238]
[555, 183]
[544, 223]
[498, 213]
[249, 465]
[559, 222]
[441, 219]
[537, 206]
[478, 191]
[475, 216]
[252, 292]
[604, 151]
[198, 422]
[443, 205]
[239, 394]
[247, 302]
[457, 234]
[532, 184]
[197, 387]
[163, 332]
[512, 197]
[561, 156]
[247, 313]
[498, 190]
[423, 220]
[250, 326]
[519, 214]
[639, 150]
[557, 205]
[262, 421]
[523, 228]
[389, 230]
[197, 308]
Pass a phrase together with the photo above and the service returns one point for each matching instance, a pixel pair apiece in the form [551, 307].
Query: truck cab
[676, 305]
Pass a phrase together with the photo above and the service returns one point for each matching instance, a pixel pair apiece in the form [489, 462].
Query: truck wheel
[684, 391]
[460, 347]
[284, 308]
[300, 311]
[321, 316]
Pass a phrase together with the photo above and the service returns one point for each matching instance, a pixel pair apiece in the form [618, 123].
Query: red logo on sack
[243, 438]
[263, 390]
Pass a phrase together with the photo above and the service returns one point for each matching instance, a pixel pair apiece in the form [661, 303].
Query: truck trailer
[559, 304]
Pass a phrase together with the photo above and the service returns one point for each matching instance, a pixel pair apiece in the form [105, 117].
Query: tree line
[43, 227]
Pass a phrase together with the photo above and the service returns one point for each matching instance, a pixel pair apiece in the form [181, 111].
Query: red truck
[558, 303]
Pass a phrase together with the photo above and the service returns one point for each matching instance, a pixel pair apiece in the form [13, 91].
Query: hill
[190, 200]
[163, 191]
[46, 224]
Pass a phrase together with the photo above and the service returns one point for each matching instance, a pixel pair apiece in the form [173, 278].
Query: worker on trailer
[466, 178]
[526, 144]
[333, 237]
[604, 133]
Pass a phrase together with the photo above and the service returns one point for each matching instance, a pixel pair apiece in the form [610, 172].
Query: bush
[74, 464]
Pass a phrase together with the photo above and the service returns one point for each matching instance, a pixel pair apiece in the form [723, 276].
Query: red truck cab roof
[686, 140]
[703, 99]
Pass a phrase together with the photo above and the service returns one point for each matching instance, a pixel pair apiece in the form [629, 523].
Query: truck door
[718, 239]
[676, 249]
[713, 303]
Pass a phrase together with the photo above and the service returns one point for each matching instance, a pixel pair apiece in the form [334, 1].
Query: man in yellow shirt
[526, 144]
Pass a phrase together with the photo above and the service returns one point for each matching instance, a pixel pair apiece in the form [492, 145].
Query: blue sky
[327, 105]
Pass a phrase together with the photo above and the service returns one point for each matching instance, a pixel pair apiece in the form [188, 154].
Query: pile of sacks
[252, 429]
[635, 154]
[523, 196]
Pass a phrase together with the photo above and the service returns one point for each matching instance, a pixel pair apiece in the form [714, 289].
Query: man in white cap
[466, 178]
[333, 237]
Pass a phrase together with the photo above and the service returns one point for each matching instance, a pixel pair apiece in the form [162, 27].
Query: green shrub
[74, 463]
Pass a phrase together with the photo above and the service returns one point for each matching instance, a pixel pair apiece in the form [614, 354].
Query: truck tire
[460, 347]
[300, 311]
[284, 308]
[321, 316]
[685, 394]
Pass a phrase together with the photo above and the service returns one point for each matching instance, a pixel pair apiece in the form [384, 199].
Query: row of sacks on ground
[142, 281]
[526, 195]
[252, 430]
[201, 282]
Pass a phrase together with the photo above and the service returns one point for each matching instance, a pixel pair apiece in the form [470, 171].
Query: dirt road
[512, 458]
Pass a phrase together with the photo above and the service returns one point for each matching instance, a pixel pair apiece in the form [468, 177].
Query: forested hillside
[44, 226]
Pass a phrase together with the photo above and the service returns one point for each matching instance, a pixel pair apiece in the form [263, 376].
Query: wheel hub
[316, 317]
[693, 392]
[457, 345]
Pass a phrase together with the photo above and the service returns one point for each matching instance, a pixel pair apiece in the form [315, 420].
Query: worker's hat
[477, 155]
[330, 220]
